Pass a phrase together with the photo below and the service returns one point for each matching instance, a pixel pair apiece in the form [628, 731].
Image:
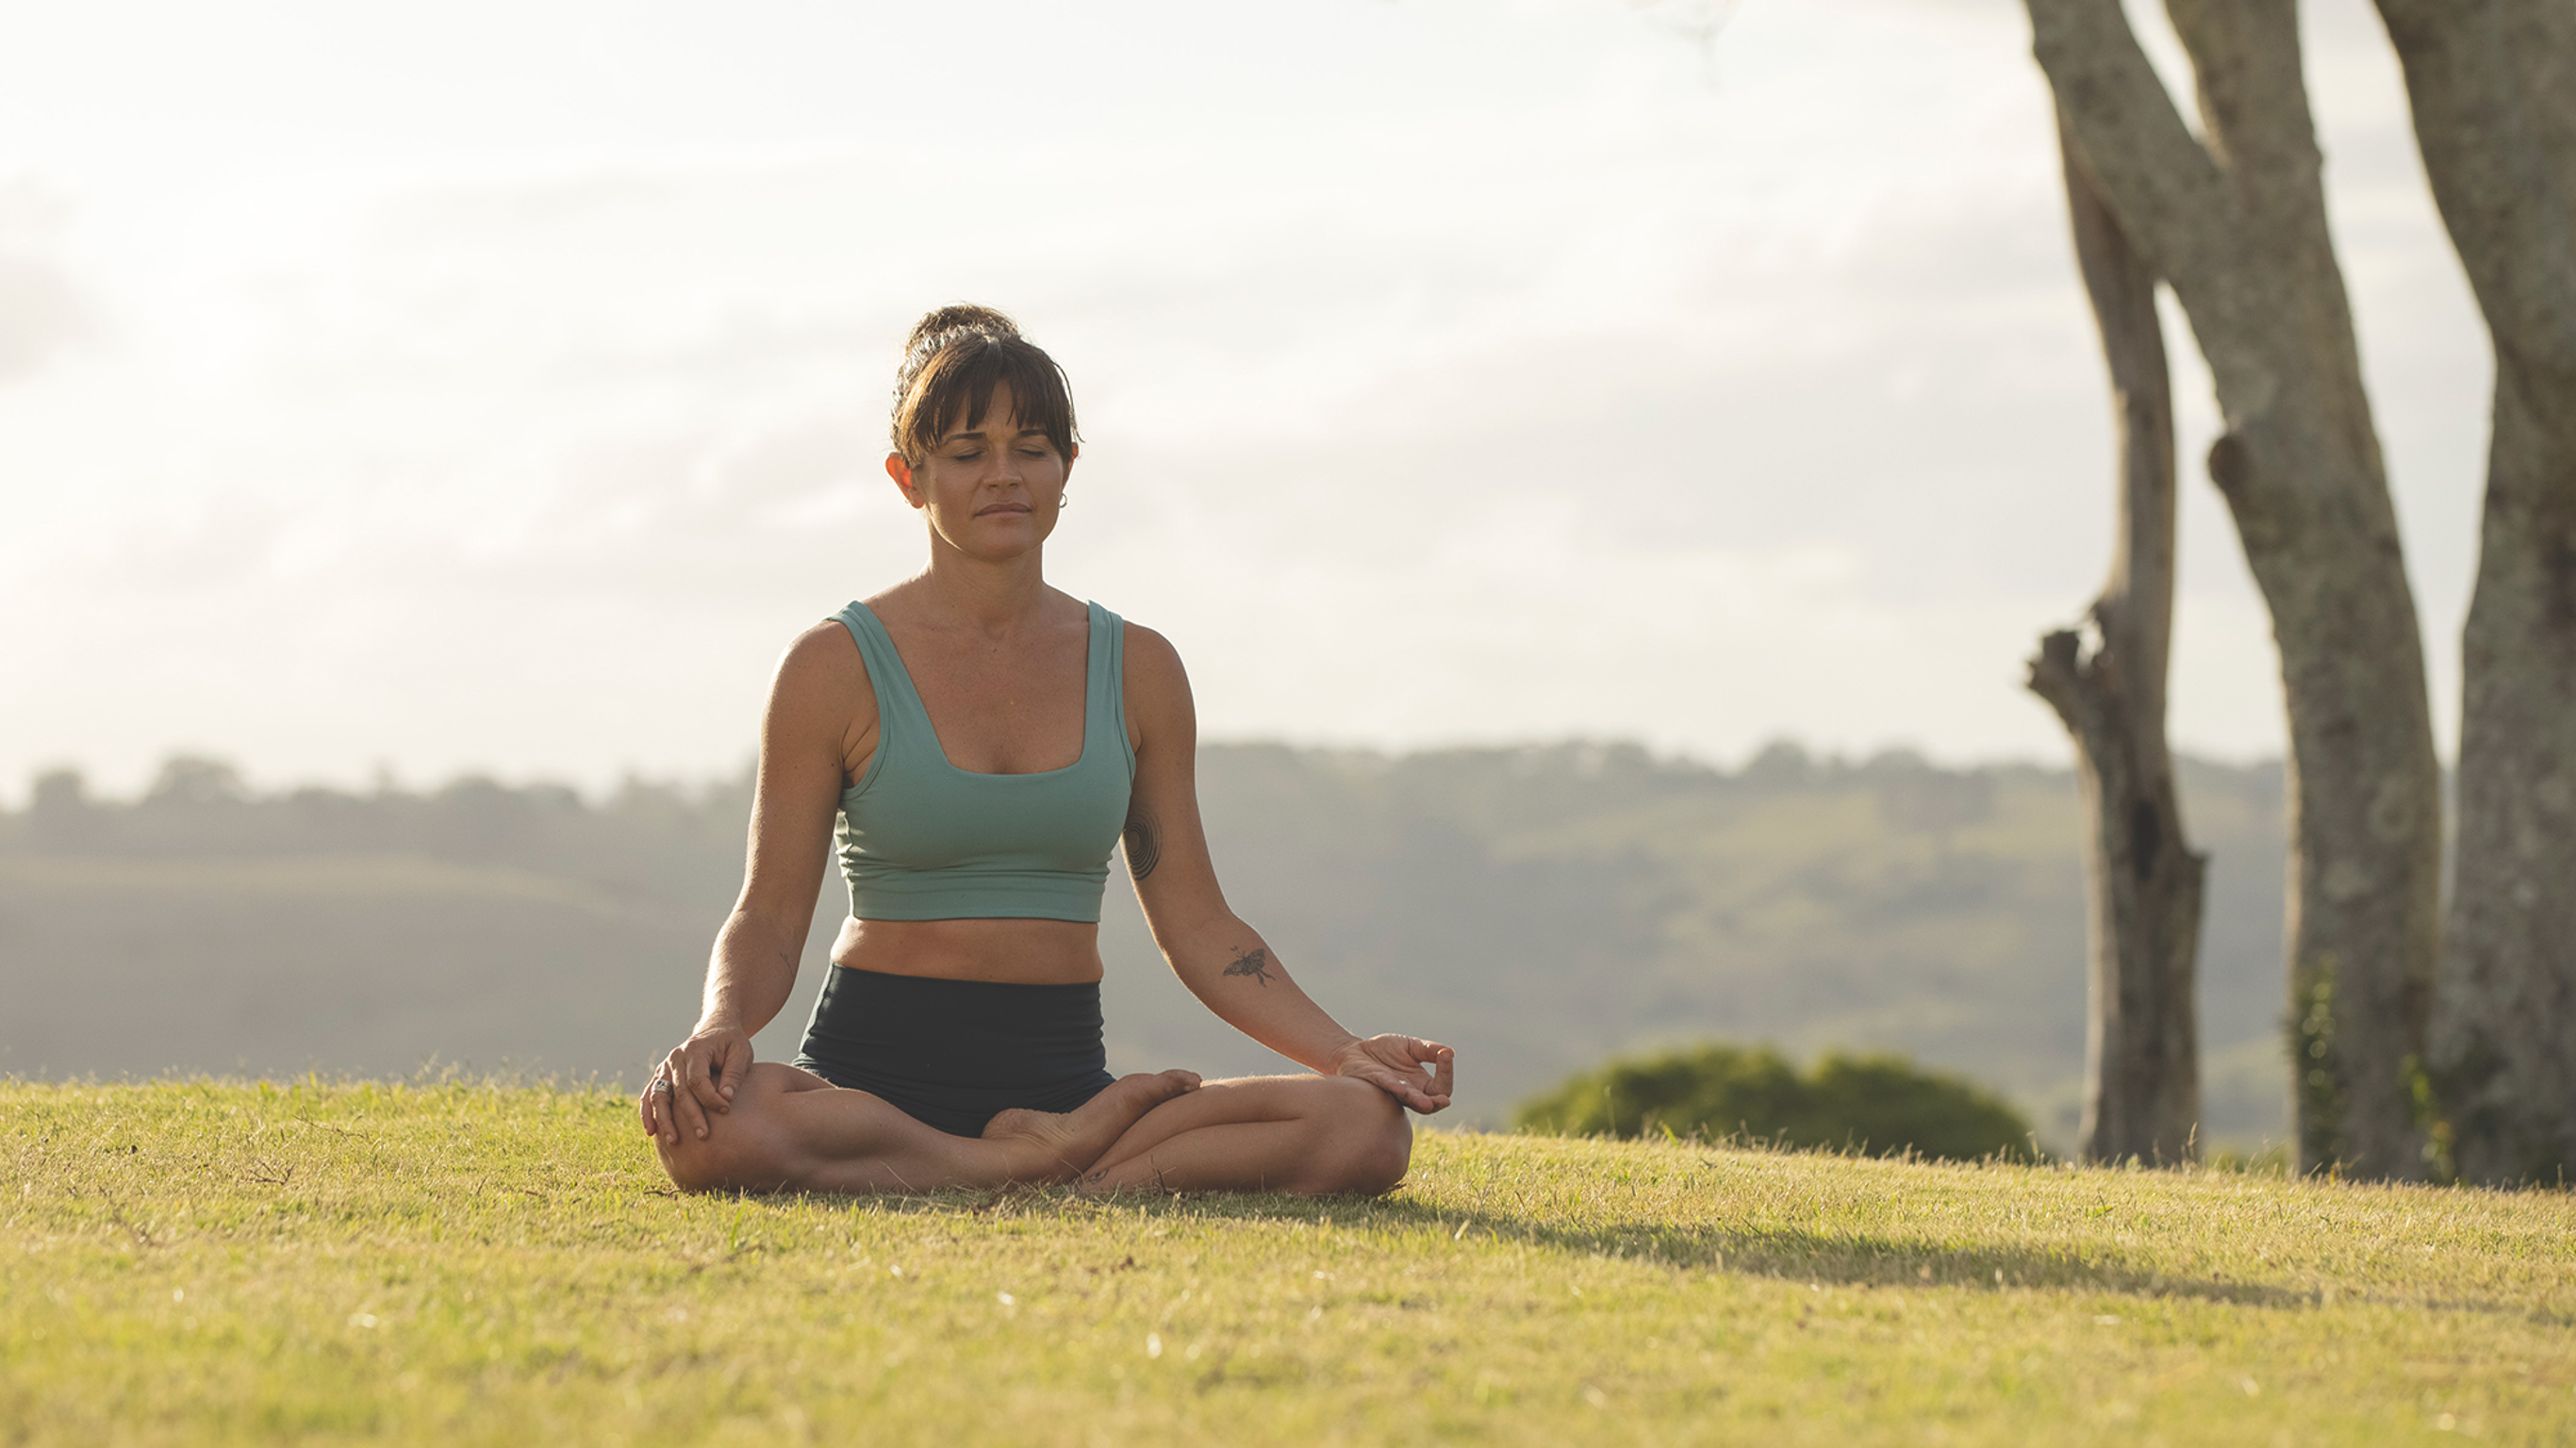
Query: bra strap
[1105, 691]
[896, 698]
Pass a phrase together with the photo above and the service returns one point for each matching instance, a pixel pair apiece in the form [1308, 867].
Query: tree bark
[2142, 881]
[2235, 222]
[2493, 86]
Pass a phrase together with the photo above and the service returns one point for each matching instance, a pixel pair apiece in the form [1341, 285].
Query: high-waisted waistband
[952, 1053]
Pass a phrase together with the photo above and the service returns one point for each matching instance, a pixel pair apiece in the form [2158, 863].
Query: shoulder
[1156, 690]
[1153, 665]
[821, 669]
[821, 651]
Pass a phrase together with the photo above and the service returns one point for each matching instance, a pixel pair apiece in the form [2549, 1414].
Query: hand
[1412, 1070]
[700, 1075]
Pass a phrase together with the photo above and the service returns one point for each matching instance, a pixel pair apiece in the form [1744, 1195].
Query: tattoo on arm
[1144, 844]
[1255, 965]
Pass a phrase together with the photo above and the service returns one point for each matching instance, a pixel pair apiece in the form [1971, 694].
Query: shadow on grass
[1842, 1259]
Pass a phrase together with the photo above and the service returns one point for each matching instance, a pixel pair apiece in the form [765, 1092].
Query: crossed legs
[791, 1130]
[1306, 1135]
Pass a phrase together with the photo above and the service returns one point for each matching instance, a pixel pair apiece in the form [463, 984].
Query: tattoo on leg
[1255, 965]
[1144, 845]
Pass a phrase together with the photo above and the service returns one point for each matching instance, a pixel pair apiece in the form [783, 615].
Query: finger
[675, 1075]
[1432, 1060]
[1407, 1061]
[700, 1083]
[656, 1106]
[731, 1066]
[687, 1114]
[686, 1102]
[1444, 1072]
[1396, 1086]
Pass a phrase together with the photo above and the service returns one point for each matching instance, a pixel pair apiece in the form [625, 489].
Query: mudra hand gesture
[1417, 1072]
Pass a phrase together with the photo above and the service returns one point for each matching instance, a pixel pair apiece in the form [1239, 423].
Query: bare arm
[1223, 961]
[820, 717]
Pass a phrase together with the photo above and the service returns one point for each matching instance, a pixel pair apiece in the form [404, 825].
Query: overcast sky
[494, 386]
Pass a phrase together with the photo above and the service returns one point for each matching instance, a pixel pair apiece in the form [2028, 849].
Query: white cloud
[41, 309]
[1449, 372]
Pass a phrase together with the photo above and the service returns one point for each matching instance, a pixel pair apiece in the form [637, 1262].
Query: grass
[470, 1263]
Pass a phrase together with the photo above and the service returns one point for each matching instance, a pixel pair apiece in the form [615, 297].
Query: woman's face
[991, 490]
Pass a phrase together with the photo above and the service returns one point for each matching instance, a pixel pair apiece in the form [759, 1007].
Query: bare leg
[791, 1130]
[1310, 1135]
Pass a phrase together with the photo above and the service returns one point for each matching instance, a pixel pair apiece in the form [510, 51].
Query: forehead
[1000, 418]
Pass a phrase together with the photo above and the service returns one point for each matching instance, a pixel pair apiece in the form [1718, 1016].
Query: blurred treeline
[1541, 908]
[1874, 1105]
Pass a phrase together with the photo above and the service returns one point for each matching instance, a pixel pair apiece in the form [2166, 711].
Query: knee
[728, 1158]
[1371, 1141]
[693, 1165]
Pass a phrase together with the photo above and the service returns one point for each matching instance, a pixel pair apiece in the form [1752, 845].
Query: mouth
[1003, 510]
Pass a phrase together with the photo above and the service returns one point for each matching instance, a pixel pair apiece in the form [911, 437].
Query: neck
[989, 595]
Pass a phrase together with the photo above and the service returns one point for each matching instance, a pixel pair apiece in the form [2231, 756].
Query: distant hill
[1540, 908]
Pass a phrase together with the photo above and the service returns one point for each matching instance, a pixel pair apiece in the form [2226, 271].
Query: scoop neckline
[1090, 630]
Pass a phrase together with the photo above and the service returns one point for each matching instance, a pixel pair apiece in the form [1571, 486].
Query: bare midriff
[1013, 952]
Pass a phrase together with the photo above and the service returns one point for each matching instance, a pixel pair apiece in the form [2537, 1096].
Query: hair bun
[958, 317]
[952, 363]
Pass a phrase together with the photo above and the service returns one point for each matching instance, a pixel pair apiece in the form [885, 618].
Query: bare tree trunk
[2142, 880]
[2493, 84]
[2236, 225]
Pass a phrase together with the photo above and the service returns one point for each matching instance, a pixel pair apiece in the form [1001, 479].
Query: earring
[1063, 501]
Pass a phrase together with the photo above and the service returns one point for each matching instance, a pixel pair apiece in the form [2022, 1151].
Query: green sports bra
[921, 839]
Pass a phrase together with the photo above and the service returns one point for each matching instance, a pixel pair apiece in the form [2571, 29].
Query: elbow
[1214, 936]
[768, 928]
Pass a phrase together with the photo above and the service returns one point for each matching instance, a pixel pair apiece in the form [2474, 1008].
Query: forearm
[750, 973]
[1233, 971]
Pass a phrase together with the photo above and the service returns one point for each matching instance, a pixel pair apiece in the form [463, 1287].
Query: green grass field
[468, 1263]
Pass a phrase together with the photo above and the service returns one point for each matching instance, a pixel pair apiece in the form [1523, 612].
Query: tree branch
[2493, 88]
[2167, 191]
[2135, 612]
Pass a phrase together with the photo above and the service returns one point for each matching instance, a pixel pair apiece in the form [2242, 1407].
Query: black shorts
[952, 1053]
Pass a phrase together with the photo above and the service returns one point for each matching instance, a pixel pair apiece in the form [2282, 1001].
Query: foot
[1057, 1145]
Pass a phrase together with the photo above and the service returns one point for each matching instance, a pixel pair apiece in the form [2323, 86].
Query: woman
[985, 741]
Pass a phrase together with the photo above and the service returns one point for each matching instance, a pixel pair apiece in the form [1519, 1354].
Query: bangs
[955, 389]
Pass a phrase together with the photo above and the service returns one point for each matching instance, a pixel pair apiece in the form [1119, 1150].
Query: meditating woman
[984, 741]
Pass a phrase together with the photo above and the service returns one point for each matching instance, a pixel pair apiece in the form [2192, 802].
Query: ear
[901, 472]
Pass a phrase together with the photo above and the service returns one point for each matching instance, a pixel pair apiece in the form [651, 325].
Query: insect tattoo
[1255, 965]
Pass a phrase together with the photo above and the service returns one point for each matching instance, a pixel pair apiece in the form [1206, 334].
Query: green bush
[1879, 1104]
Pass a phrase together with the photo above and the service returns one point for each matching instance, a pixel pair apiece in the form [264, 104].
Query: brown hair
[952, 362]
